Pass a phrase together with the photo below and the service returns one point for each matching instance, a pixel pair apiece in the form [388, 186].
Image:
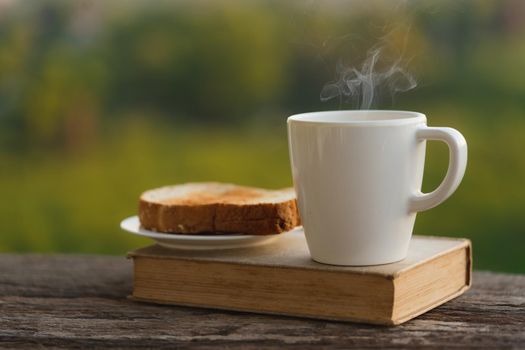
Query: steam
[363, 87]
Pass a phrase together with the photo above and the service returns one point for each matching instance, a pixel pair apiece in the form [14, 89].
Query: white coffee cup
[358, 178]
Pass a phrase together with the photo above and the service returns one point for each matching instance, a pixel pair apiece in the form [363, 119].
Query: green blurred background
[100, 100]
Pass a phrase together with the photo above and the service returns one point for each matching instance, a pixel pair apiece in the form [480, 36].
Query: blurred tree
[219, 64]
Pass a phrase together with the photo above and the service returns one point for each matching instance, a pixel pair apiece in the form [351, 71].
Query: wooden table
[80, 301]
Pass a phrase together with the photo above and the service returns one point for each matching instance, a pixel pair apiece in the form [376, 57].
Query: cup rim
[338, 117]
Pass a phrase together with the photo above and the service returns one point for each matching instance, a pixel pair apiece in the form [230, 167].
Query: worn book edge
[465, 245]
[407, 317]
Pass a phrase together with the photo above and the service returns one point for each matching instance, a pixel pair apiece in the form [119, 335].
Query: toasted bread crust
[253, 219]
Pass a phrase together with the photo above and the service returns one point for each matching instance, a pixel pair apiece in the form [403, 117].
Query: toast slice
[212, 207]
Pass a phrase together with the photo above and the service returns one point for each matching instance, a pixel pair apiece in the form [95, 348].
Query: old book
[281, 278]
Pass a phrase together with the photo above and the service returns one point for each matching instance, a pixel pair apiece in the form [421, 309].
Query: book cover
[281, 278]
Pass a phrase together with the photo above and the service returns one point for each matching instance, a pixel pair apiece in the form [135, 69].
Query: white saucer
[198, 242]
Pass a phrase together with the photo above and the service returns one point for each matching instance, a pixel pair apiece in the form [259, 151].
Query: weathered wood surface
[80, 301]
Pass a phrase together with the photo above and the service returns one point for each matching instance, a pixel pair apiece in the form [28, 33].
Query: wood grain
[80, 301]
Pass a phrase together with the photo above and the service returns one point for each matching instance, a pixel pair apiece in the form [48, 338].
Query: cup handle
[456, 167]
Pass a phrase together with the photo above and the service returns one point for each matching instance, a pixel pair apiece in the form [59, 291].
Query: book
[281, 278]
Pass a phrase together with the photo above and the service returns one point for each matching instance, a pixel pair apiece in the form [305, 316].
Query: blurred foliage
[102, 100]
